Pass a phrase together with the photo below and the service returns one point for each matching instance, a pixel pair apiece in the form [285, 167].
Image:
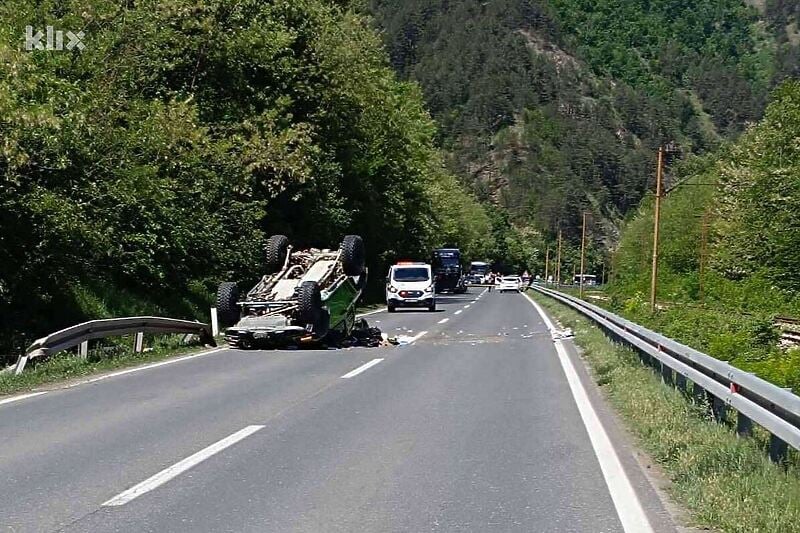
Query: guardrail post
[680, 382]
[83, 350]
[138, 342]
[666, 375]
[698, 394]
[718, 408]
[744, 426]
[777, 450]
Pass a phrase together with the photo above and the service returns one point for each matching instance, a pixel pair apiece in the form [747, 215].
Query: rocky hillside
[549, 108]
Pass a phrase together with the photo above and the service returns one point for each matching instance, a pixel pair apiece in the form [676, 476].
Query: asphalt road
[474, 426]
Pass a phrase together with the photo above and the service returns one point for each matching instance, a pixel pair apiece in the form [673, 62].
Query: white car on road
[509, 283]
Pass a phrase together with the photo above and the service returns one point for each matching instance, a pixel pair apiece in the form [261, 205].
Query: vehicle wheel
[227, 309]
[432, 307]
[391, 308]
[310, 302]
[353, 255]
[276, 250]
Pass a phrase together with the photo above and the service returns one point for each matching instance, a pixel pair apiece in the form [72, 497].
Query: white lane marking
[112, 375]
[381, 310]
[416, 337]
[444, 320]
[179, 467]
[362, 368]
[467, 306]
[21, 397]
[626, 501]
[145, 367]
[458, 312]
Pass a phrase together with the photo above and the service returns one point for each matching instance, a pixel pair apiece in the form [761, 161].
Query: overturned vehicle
[306, 296]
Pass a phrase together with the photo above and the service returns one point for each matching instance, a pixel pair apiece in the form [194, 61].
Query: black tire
[353, 255]
[391, 308]
[432, 307]
[227, 309]
[309, 298]
[276, 250]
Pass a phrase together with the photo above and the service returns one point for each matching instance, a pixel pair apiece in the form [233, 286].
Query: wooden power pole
[558, 263]
[656, 227]
[583, 255]
[703, 254]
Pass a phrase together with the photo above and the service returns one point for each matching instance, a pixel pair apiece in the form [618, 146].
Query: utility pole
[546, 265]
[558, 265]
[703, 254]
[656, 227]
[583, 254]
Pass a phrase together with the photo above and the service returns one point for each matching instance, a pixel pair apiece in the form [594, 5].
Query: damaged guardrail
[80, 334]
[756, 401]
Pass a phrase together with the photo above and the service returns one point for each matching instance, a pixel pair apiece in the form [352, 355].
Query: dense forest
[730, 247]
[553, 108]
[139, 172]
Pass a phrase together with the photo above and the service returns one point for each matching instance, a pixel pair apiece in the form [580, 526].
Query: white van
[410, 285]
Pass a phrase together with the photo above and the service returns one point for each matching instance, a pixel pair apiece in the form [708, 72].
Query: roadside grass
[726, 483]
[104, 357]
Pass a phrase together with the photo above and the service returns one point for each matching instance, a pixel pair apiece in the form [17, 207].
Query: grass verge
[66, 366]
[725, 482]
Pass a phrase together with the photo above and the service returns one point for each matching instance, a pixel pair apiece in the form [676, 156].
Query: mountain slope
[550, 108]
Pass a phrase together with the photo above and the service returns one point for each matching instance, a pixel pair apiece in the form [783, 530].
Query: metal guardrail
[80, 334]
[756, 401]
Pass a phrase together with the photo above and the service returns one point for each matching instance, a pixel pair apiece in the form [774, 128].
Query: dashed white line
[444, 320]
[179, 467]
[458, 312]
[626, 501]
[467, 306]
[362, 368]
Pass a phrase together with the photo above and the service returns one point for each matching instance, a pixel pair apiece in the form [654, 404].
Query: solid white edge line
[21, 397]
[626, 501]
[375, 312]
[146, 367]
[179, 467]
[458, 312]
[444, 321]
[362, 368]
[13, 399]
